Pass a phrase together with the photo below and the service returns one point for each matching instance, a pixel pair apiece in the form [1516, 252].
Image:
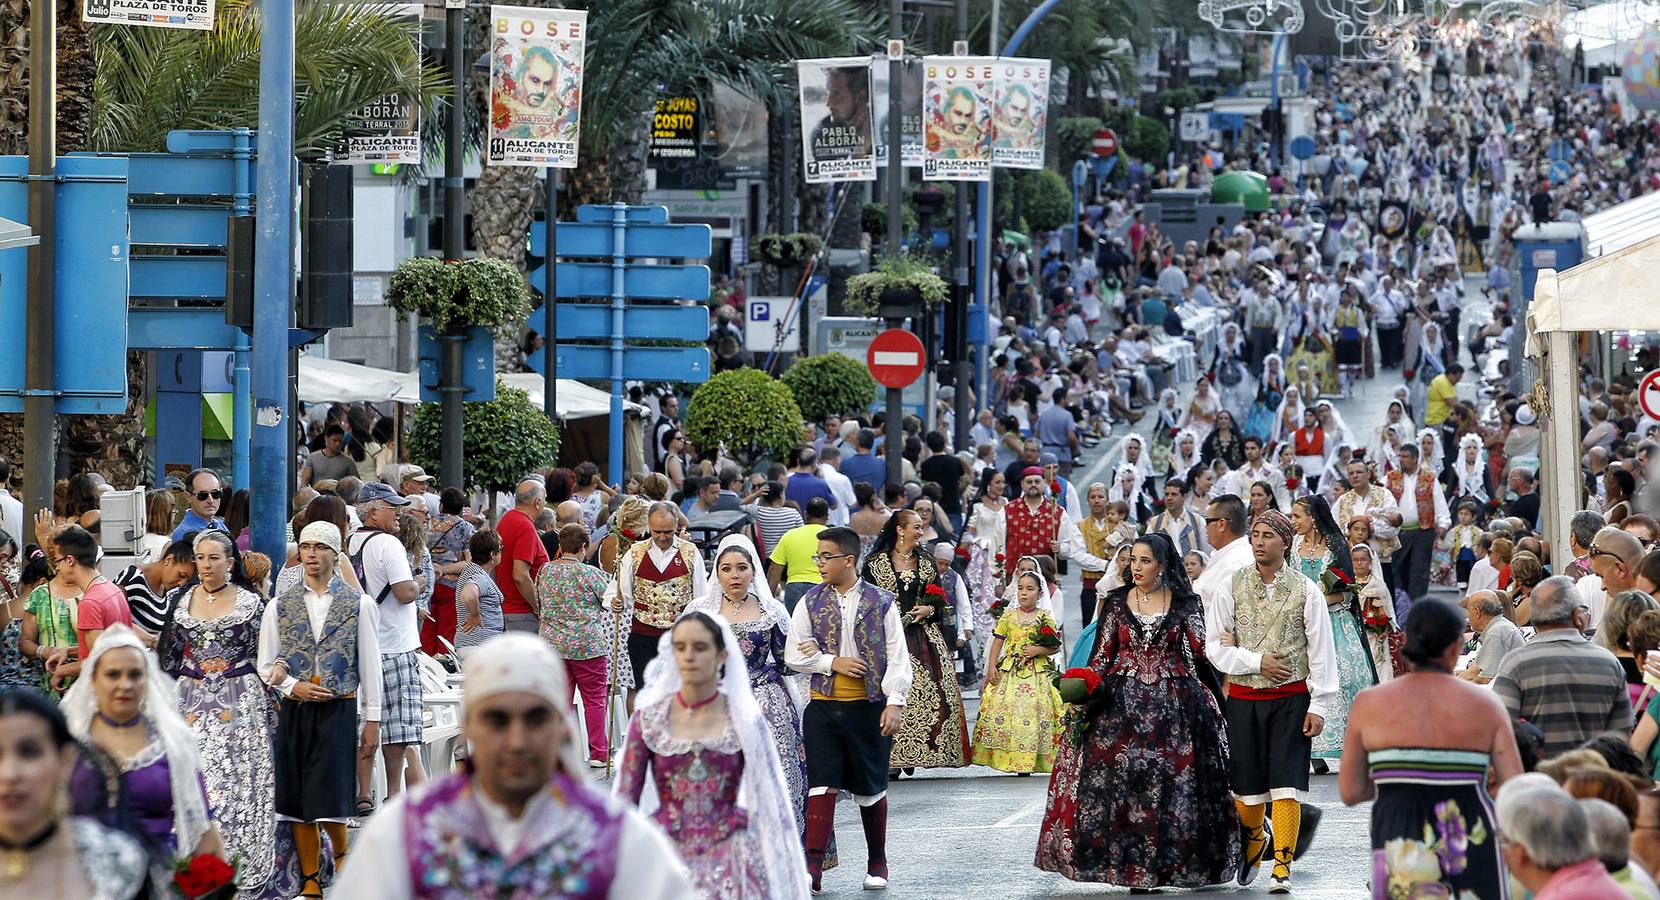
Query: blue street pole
[1274, 102]
[273, 278]
[1080, 173]
[619, 272]
[242, 204]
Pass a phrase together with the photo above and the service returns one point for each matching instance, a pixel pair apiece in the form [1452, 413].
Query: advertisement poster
[389, 129]
[836, 117]
[910, 122]
[1021, 113]
[194, 14]
[535, 86]
[956, 113]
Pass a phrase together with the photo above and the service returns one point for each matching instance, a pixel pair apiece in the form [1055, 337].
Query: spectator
[773, 517]
[11, 508]
[702, 497]
[791, 562]
[1548, 848]
[1498, 635]
[102, 604]
[147, 585]
[205, 494]
[864, 464]
[522, 555]
[804, 483]
[1611, 836]
[390, 582]
[331, 462]
[829, 468]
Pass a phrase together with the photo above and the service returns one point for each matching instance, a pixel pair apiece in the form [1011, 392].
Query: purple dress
[762, 644]
[147, 791]
[697, 791]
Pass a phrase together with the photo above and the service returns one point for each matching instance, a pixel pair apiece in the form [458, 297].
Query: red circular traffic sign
[896, 358]
[1648, 394]
[1105, 143]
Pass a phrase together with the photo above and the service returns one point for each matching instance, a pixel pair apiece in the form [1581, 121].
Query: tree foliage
[1074, 137]
[1149, 140]
[1047, 201]
[453, 295]
[830, 384]
[347, 54]
[504, 439]
[750, 413]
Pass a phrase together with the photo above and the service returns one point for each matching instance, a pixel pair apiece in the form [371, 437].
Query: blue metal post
[1080, 173]
[272, 440]
[1274, 101]
[242, 204]
[619, 271]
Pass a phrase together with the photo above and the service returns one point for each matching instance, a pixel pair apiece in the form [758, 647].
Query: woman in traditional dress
[1384, 641]
[1164, 433]
[1350, 324]
[1140, 794]
[1317, 547]
[1020, 711]
[1225, 443]
[210, 644]
[715, 784]
[1429, 361]
[1467, 479]
[984, 568]
[1274, 380]
[1184, 455]
[933, 732]
[51, 853]
[127, 709]
[1130, 488]
[1431, 455]
[1288, 417]
[1200, 416]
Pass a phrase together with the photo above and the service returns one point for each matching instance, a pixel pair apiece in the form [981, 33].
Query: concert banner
[536, 68]
[389, 129]
[1020, 113]
[956, 114]
[910, 121]
[836, 142]
[192, 14]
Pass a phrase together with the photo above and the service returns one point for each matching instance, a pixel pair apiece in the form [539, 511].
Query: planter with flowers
[468, 299]
[786, 251]
[898, 289]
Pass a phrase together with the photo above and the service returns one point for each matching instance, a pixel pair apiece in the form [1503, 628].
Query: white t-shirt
[384, 563]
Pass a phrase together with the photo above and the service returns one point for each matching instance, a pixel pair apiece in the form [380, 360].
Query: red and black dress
[933, 732]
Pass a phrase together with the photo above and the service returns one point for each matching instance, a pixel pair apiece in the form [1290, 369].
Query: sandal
[309, 882]
[365, 807]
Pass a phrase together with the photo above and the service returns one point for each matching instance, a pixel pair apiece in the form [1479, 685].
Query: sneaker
[597, 763]
[875, 883]
[1279, 884]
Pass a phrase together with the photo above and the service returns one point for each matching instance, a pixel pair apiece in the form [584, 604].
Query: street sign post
[621, 233]
[1105, 142]
[896, 358]
[1648, 394]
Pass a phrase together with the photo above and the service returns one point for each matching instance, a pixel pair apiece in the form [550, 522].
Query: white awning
[1610, 293]
[1618, 227]
[1249, 106]
[324, 380]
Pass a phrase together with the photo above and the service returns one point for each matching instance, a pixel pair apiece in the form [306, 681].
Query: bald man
[1614, 557]
[1497, 635]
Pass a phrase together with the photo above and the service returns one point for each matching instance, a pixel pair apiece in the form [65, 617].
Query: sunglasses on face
[203, 495]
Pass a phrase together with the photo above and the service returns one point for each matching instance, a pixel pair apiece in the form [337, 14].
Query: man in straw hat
[318, 648]
[520, 820]
[1271, 634]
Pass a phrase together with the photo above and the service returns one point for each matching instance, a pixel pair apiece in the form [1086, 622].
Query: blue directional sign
[1302, 147]
[1560, 150]
[578, 239]
[1560, 171]
[478, 364]
[589, 321]
[689, 364]
[640, 281]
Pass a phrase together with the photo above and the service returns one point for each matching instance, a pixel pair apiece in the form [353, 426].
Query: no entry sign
[1648, 394]
[1105, 143]
[896, 358]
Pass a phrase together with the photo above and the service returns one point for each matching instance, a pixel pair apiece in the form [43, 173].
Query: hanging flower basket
[786, 251]
[897, 289]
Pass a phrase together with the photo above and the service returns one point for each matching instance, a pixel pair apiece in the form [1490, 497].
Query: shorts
[846, 749]
[642, 649]
[400, 705]
[1269, 753]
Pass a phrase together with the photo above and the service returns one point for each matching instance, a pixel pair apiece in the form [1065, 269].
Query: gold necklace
[14, 858]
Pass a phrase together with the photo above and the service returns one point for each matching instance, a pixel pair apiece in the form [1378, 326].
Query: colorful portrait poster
[1020, 113]
[910, 120]
[836, 142]
[535, 86]
[956, 113]
[389, 129]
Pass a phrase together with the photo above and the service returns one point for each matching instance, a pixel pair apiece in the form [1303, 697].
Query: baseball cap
[374, 490]
[414, 473]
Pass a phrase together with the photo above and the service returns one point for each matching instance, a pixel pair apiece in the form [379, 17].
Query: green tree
[829, 384]
[504, 439]
[1074, 137]
[746, 411]
[1047, 201]
[1149, 140]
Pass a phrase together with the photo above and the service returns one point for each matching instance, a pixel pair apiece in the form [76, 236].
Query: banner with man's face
[391, 125]
[836, 141]
[1020, 113]
[910, 116]
[536, 65]
[956, 114]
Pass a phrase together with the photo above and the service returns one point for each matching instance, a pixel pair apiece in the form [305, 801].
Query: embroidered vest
[1095, 541]
[569, 848]
[332, 661]
[660, 595]
[1269, 619]
[870, 637]
[1346, 513]
[1421, 492]
[1028, 533]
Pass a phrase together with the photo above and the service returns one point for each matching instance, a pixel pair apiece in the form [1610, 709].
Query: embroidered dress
[762, 644]
[697, 791]
[1354, 659]
[1432, 826]
[16, 670]
[1020, 716]
[933, 731]
[982, 571]
[232, 715]
[1144, 801]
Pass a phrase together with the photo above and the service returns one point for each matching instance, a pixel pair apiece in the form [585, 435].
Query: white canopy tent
[324, 380]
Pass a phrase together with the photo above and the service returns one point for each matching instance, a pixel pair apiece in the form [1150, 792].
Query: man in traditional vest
[1424, 518]
[1271, 634]
[1178, 522]
[521, 820]
[849, 638]
[1094, 530]
[654, 583]
[1035, 525]
[1374, 504]
[317, 647]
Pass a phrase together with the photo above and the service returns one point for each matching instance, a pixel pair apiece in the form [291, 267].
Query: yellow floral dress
[1019, 725]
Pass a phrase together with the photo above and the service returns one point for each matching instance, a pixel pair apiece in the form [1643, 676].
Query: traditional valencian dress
[1354, 655]
[1020, 715]
[933, 732]
[1144, 801]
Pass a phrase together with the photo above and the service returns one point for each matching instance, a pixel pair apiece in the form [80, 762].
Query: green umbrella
[1011, 236]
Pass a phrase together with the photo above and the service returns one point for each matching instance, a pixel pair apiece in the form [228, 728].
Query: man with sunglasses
[206, 496]
[1614, 557]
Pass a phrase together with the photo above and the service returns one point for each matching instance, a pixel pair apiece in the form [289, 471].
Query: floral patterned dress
[54, 628]
[1141, 796]
[1432, 826]
[762, 644]
[1354, 656]
[697, 793]
[1020, 716]
[933, 731]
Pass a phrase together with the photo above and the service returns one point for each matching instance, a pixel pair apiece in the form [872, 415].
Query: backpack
[357, 561]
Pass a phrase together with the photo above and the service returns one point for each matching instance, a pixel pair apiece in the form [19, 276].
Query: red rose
[999, 557]
[934, 590]
[1087, 676]
[1046, 631]
[1291, 484]
[1175, 431]
[962, 552]
[203, 874]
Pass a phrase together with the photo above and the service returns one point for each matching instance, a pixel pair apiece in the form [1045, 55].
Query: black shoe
[1305, 834]
[1321, 767]
[909, 772]
[893, 774]
[1248, 865]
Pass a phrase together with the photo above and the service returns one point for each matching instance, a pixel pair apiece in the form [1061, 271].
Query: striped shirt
[774, 521]
[149, 610]
[1569, 688]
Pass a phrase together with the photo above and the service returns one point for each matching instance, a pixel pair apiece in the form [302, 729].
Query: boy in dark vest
[851, 641]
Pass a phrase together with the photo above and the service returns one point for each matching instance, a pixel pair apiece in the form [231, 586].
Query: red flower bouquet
[1336, 581]
[962, 552]
[1047, 637]
[1077, 685]
[205, 877]
[1291, 484]
[1376, 619]
[997, 609]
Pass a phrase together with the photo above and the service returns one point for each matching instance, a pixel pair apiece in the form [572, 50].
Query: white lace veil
[1437, 458]
[160, 709]
[1112, 579]
[763, 793]
[1179, 463]
[772, 611]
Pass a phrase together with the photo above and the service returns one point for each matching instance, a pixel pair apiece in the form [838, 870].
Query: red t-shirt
[519, 540]
[101, 606]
